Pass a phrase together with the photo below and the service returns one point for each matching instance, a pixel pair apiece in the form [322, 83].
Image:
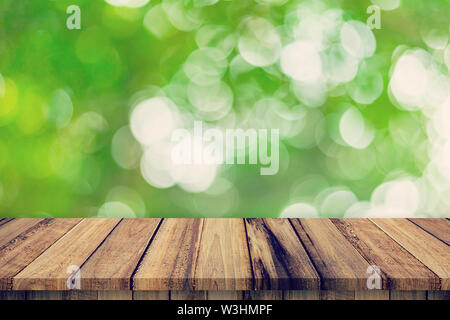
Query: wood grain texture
[13, 295]
[440, 228]
[278, 257]
[301, 295]
[224, 257]
[214, 256]
[188, 295]
[169, 263]
[408, 295]
[399, 269]
[430, 251]
[223, 262]
[151, 295]
[12, 229]
[29, 245]
[372, 295]
[225, 295]
[336, 295]
[50, 270]
[338, 263]
[115, 295]
[263, 295]
[438, 295]
[5, 220]
[113, 263]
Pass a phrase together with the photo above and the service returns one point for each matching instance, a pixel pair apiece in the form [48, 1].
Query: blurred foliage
[66, 93]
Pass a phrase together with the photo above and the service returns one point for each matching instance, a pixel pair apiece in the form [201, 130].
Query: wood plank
[46, 295]
[49, 270]
[115, 295]
[279, 260]
[336, 295]
[29, 245]
[399, 269]
[440, 228]
[219, 262]
[79, 295]
[263, 295]
[438, 295]
[13, 295]
[225, 295]
[223, 261]
[112, 264]
[430, 251]
[338, 263]
[188, 295]
[372, 295]
[408, 295]
[301, 295]
[12, 229]
[169, 263]
[5, 220]
[151, 295]
[61, 295]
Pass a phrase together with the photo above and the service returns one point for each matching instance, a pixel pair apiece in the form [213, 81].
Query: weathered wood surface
[278, 257]
[29, 245]
[399, 269]
[425, 247]
[170, 259]
[440, 228]
[51, 270]
[113, 264]
[225, 295]
[252, 258]
[339, 264]
[196, 254]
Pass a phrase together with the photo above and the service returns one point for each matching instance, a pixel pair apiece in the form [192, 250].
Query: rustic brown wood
[13, 295]
[113, 263]
[5, 220]
[438, 295]
[224, 258]
[338, 263]
[408, 295]
[29, 245]
[225, 295]
[399, 269]
[47, 295]
[169, 263]
[115, 295]
[278, 257]
[12, 229]
[440, 228]
[188, 295]
[50, 270]
[300, 294]
[151, 295]
[430, 251]
[372, 295]
[263, 295]
[336, 295]
[223, 262]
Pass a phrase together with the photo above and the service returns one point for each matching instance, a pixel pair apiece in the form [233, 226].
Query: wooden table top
[224, 254]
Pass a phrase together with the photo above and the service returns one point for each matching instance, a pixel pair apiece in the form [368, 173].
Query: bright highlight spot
[153, 120]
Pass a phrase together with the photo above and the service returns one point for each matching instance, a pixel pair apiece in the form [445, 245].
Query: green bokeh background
[53, 170]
